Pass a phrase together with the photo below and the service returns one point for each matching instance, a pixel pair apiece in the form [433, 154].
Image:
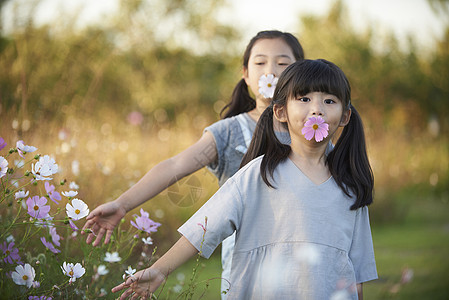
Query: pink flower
[72, 225]
[54, 195]
[55, 237]
[315, 126]
[49, 246]
[39, 298]
[135, 118]
[2, 143]
[204, 226]
[10, 253]
[144, 223]
[37, 208]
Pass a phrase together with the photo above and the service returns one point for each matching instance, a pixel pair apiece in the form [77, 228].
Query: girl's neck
[311, 160]
[261, 105]
[312, 154]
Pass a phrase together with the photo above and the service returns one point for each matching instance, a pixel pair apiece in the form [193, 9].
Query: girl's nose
[317, 109]
[271, 69]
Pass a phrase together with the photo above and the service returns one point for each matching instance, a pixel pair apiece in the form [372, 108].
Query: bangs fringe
[319, 77]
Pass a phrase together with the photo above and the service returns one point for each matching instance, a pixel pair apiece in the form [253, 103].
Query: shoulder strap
[247, 135]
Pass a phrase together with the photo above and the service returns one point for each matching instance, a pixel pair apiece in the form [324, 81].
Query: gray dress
[298, 241]
[232, 137]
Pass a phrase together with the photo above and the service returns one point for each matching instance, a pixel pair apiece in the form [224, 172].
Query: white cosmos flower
[24, 275]
[73, 185]
[130, 272]
[24, 148]
[101, 270]
[112, 257]
[44, 168]
[21, 194]
[267, 84]
[73, 271]
[3, 166]
[148, 240]
[77, 210]
[70, 194]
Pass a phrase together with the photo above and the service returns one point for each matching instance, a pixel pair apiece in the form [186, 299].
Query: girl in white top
[222, 145]
[300, 216]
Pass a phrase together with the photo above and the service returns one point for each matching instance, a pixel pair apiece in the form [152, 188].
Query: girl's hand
[142, 285]
[101, 220]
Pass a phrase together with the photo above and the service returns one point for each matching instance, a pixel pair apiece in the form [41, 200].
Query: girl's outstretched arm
[360, 291]
[103, 219]
[146, 281]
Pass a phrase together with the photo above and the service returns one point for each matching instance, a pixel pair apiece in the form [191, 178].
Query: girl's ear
[280, 113]
[345, 118]
[245, 75]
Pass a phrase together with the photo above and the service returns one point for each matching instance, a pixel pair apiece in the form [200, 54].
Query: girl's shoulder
[233, 121]
[223, 127]
[249, 171]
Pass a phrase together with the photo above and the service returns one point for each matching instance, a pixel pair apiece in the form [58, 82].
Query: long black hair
[241, 100]
[348, 162]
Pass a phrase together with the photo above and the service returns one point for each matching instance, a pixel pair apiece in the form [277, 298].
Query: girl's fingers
[87, 225]
[91, 215]
[99, 237]
[126, 294]
[92, 235]
[108, 236]
[119, 287]
[135, 296]
[89, 238]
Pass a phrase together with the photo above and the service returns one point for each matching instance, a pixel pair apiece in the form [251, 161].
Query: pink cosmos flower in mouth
[315, 127]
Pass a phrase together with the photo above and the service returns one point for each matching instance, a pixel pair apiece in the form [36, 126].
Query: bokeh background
[110, 95]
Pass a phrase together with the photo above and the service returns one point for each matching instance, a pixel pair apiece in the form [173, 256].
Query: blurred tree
[386, 80]
[132, 61]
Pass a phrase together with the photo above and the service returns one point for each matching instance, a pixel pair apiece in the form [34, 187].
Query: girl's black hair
[241, 101]
[348, 161]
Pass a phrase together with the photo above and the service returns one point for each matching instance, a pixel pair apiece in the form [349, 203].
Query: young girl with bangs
[222, 145]
[300, 214]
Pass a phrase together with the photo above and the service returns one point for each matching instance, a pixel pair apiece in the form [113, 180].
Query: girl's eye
[304, 99]
[329, 101]
[260, 63]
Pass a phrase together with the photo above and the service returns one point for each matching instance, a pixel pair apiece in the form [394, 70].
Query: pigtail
[265, 142]
[349, 165]
[241, 101]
